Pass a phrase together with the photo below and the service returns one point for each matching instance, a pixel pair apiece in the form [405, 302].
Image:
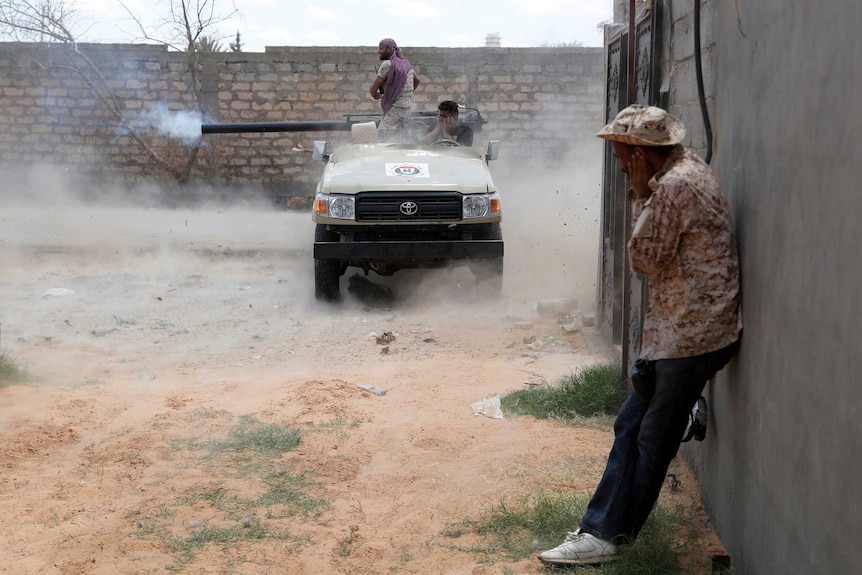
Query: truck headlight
[340, 207]
[479, 206]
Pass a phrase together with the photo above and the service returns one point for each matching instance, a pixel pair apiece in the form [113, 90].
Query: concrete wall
[779, 469]
[541, 102]
[787, 128]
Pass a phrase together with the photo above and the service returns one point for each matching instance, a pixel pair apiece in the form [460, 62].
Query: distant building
[492, 40]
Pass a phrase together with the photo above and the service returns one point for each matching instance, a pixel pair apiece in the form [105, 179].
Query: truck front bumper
[403, 251]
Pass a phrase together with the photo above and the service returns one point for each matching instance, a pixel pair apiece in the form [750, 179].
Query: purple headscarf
[397, 75]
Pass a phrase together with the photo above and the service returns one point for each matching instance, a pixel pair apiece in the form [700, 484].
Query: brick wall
[541, 102]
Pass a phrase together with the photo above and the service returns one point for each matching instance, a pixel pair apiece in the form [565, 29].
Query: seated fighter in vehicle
[448, 128]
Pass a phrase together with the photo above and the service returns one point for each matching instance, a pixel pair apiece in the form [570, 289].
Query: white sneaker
[580, 548]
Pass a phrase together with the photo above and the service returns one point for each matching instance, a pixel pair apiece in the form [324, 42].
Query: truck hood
[357, 168]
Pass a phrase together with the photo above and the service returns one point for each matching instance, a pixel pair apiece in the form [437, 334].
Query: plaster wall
[779, 469]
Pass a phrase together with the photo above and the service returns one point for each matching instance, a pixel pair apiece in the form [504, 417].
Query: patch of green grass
[348, 545]
[225, 537]
[215, 496]
[264, 439]
[200, 538]
[512, 532]
[11, 371]
[249, 456]
[291, 492]
[208, 413]
[594, 391]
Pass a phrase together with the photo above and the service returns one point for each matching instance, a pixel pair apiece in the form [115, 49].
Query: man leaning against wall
[683, 242]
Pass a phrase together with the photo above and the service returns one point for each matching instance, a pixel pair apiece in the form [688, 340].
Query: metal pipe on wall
[701, 96]
[630, 79]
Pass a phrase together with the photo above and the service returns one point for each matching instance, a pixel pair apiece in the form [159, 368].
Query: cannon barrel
[311, 126]
[471, 118]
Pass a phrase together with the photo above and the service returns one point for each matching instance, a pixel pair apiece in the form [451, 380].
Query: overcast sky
[441, 23]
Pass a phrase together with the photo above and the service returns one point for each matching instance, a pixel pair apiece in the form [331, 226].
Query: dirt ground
[155, 334]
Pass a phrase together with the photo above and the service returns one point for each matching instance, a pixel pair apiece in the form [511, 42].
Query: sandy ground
[155, 334]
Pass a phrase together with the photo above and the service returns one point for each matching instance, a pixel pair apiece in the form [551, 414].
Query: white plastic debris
[57, 292]
[489, 407]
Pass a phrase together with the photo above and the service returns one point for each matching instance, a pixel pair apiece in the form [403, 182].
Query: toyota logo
[409, 208]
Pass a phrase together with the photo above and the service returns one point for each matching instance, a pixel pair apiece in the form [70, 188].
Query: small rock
[574, 327]
[387, 337]
[574, 324]
[196, 524]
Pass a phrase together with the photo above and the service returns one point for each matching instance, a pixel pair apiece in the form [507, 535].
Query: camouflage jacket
[683, 242]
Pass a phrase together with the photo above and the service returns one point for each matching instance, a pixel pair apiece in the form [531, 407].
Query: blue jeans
[647, 437]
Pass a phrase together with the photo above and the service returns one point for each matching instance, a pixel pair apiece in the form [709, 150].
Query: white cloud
[565, 8]
[275, 37]
[101, 5]
[412, 10]
[323, 36]
[316, 13]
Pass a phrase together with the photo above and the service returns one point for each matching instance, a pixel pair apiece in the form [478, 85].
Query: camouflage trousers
[391, 127]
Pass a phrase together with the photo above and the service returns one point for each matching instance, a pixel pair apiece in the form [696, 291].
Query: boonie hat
[640, 125]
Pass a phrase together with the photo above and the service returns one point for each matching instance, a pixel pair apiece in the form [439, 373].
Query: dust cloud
[132, 281]
[122, 276]
[551, 225]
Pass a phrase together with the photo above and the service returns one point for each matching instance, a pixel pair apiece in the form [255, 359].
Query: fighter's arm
[657, 231]
[433, 135]
[375, 87]
[442, 131]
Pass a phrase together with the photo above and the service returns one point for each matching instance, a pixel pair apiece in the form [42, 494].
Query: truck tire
[489, 271]
[327, 273]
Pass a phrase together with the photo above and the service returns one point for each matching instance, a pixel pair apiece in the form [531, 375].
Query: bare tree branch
[183, 31]
[43, 21]
[186, 22]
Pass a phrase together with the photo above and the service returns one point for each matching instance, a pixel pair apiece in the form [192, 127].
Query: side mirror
[320, 151]
[493, 150]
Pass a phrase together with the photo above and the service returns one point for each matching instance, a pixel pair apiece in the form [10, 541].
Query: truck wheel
[489, 271]
[327, 273]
